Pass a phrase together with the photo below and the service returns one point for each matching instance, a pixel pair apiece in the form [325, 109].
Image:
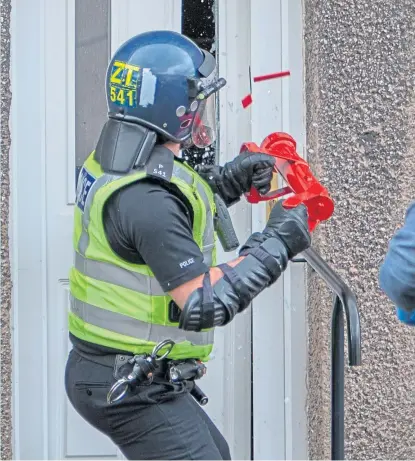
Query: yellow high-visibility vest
[119, 304]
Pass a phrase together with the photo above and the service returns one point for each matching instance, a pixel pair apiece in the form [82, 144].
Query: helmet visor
[204, 124]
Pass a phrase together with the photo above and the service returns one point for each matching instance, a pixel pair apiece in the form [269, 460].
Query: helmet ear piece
[123, 146]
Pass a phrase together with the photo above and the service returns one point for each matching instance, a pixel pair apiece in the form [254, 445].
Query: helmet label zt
[85, 182]
[123, 84]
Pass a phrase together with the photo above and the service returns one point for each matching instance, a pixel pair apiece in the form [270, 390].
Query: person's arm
[216, 297]
[156, 225]
[397, 273]
[405, 317]
[159, 227]
[181, 294]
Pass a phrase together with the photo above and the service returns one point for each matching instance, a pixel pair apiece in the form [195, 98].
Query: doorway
[66, 44]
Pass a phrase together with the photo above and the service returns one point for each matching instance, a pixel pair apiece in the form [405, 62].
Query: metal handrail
[344, 301]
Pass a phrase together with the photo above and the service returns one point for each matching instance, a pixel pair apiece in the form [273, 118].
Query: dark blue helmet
[165, 82]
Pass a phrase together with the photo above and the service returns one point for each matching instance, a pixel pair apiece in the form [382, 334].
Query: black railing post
[344, 302]
[337, 381]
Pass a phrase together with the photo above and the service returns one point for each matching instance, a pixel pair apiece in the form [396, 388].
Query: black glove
[238, 176]
[289, 225]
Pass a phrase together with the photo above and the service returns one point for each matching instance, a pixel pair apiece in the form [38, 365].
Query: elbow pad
[209, 306]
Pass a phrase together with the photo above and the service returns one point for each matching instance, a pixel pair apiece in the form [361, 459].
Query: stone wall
[5, 276]
[360, 98]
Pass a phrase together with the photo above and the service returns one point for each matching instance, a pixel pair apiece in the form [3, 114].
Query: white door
[60, 50]
[48, 35]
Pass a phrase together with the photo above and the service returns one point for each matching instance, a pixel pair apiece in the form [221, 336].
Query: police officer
[145, 257]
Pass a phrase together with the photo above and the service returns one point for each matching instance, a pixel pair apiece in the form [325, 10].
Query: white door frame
[279, 313]
[233, 342]
[28, 249]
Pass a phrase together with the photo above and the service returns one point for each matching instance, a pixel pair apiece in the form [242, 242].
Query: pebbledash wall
[360, 98]
[5, 278]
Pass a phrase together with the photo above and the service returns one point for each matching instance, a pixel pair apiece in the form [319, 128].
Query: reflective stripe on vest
[128, 326]
[106, 272]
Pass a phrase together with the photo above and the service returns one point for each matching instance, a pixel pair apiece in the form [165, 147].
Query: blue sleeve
[405, 316]
[397, 273]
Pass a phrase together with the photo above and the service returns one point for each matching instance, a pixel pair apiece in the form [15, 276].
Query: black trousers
[160, 421]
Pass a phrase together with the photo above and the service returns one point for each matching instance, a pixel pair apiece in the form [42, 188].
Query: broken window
[198, 23]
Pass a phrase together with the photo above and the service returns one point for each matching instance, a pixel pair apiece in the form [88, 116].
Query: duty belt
[147, 367]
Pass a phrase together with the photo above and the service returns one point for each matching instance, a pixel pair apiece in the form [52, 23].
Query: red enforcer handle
[297, 174]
